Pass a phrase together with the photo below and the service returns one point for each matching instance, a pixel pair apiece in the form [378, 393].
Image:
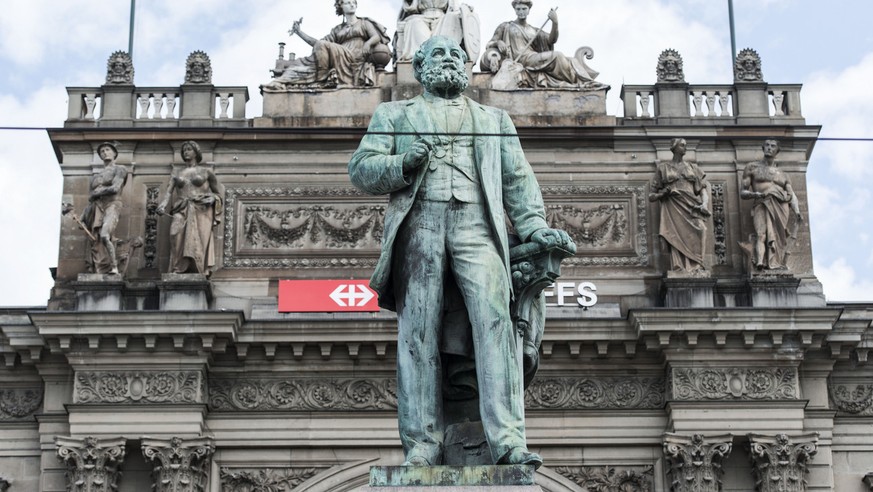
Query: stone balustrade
[182, 106]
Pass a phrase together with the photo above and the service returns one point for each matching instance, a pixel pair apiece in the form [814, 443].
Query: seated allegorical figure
[421, 19]
[528, 54]
[348, 56]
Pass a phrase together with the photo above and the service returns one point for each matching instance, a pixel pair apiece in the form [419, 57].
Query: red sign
[326, 296]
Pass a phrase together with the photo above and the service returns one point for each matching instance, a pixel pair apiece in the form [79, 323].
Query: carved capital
[780, 462]
[19, 403]
[608, 478]
[714, 383]
[92, 464]
[695, 461]
[246, 479]
[179, 465]
[139, 387]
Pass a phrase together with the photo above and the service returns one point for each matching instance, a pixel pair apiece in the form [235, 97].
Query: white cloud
[842, 283]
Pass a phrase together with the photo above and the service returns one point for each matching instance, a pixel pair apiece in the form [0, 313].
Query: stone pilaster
[780, 462]
[695, 461]
[179, 465]
[92, 464]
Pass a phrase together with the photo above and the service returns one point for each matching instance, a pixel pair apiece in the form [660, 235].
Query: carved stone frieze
[780, 462]
[19, 403]
[715, 383]
[138, 387]
[607, 222]
[695, 461]
[302, 394]
[610, 478]
[150, 249]
[198, 68]
[119, 69]
[264, 479]
[670, 67]
[279, 227]
[179, 465]
[852, 399]
[719, 223]
[596, 393]
[747, 67]
[92, 464]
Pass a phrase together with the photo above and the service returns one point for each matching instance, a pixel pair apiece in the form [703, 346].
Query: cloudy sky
[46, 45]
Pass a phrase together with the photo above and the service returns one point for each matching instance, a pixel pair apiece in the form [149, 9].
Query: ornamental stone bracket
[179, 465]
[695, 461]
[188, 332]
[780, 462]
[790, 331]
[20, 342]
[92, 464]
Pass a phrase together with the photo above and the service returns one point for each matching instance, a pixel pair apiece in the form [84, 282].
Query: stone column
[179, 465]
[92, 464]
[780, 461]
[695, 462]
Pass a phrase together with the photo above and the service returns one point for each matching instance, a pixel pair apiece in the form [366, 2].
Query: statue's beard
[445, 80]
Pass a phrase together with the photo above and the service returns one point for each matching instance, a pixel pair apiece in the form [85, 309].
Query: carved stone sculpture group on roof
[520, 55]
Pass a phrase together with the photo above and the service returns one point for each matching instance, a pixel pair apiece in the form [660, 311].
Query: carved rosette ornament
[780, 462]
[179, 465]
[119, 69]
[670, 67]
[747, 67]
[852, 399]
[765, 383]
[695, 462]
[92, 464]
[198, 68]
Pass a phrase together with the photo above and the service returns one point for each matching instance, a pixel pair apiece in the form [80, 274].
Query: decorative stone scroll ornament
[610, 478]
[854, 399]
[150, 251]
[302, 394]
[119, 69]
[596, 393]
[695, 461]
[766, 383]
[780, 462]
[198, 68]
[19, 403]
[92, 464]
[670, 67]
[266, 479]
[719, 224]
[179, 465]
[138, 387]
[747, 67]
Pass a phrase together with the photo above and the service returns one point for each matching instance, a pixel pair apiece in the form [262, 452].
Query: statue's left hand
[553, 16]
[553, 237]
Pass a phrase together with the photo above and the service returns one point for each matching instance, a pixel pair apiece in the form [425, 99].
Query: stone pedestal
[184, 292]
[515, 478]
[689, 292]
[344, 107]
[774, 290]
[534, 107]
[99, 292]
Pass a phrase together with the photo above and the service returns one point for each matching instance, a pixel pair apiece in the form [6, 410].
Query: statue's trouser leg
[110, 221]
[418, 272]
[759, 219]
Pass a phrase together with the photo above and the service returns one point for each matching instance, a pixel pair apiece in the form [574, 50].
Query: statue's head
[107, 151]
[440, 66]
[345, 6]
[522, 8]
[770, 147]
[516, 3]
[191, 146]
[678, 145]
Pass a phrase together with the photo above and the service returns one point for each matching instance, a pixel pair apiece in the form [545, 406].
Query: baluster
[144, 101]
[171, 106]
[778, 99]
[159, 105]
[223, 103]
[710, 104]
[697, 99]
[90, 104]
[644, 104]
[723, 101]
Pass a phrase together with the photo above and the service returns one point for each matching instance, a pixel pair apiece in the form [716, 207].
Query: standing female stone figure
[195, 213]
[684, 194]
[422, 19]
[104, 207]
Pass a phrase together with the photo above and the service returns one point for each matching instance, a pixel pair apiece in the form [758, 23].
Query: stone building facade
[729, 381]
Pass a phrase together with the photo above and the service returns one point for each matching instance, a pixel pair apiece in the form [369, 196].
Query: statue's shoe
[416, 461]
[521, 456]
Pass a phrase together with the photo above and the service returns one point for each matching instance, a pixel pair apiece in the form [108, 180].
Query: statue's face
[681, 147]
[106, 153]
[442, 70]
[188, 153]
[771, 148]
[349, 6]
[445, 55]
[522, 10]
[197, 68]
[118, 67]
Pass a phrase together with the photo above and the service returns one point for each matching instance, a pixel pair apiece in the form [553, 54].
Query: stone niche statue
[684, 194]
[524, 56]
[747, 67]
[347, 57]
[421, 19]
[198, 68]
[100, 217]
[195, 212]
[119, 69]
[774, 200]
[670, 67]
[454, 171]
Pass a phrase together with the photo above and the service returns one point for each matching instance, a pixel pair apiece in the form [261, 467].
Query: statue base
[350, 107]
[99, 292]
[547, 107]
[689, 292]
[184, 292]
[508, 478]
[773, 290]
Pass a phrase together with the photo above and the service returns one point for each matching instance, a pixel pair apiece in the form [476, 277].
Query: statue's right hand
[417, 155]
[161, 210]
